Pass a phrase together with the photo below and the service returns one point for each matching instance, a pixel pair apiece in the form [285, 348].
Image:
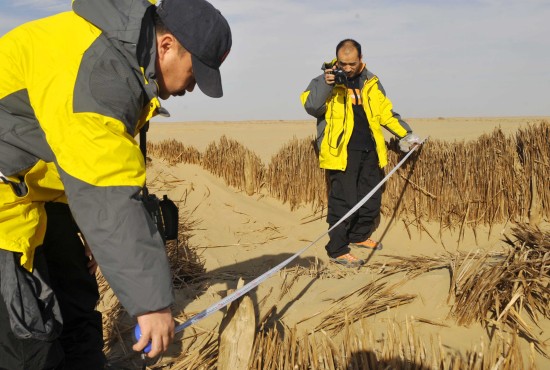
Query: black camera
[340, 77]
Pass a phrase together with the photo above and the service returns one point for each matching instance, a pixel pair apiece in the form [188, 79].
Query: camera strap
[143, 140]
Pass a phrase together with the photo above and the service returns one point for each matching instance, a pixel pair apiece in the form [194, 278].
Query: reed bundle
[359, 348]
[463, 184]
[199, 352]
[174, 152]
[185, 263]
[294, 176]
[227, 160]
[505, 292]
[533, 148]
[499, 289]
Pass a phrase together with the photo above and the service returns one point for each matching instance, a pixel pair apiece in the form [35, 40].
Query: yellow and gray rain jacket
[335, 120]
[76, 88]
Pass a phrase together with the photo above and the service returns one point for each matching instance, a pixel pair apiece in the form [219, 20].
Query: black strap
[143, 139]
[19, 188]
[143, 147]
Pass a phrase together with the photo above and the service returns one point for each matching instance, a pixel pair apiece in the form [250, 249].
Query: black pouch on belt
[151, 203]
[32, 306]
[170, 217]
[164, 214]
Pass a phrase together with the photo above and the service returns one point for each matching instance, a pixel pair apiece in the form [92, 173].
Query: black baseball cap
[205, 33]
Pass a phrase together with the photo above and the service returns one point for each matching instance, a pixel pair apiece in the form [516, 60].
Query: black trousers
[80, 344]
[347, 188]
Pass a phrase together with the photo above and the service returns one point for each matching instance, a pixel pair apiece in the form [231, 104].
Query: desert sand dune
[236, 235]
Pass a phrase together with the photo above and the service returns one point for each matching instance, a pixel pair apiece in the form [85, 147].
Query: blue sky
[434, 58]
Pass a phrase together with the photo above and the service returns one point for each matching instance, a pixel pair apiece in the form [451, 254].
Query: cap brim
[208, 78]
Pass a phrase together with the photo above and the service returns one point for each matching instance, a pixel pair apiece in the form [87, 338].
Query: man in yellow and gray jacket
[351, 107]
[76, 88]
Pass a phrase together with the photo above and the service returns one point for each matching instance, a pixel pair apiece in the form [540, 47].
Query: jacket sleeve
[315, 97]
[125, 243]
[103, 171]
[390, 119]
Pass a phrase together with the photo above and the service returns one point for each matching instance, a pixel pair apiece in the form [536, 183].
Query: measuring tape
[260, 279]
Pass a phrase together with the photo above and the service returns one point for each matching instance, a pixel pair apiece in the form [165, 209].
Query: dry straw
[507, 290]
[294, 176]
[511, 292]
[185, 263]
[228, 159]
[501, 290]
[174, 152]
[397, 348]
[373, 298]
[493, 179]
[463, 184]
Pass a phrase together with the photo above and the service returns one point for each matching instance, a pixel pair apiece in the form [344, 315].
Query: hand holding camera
[340, 77]
[335, 75]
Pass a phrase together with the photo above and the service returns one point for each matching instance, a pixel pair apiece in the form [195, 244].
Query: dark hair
[160, 28]
[346, 42]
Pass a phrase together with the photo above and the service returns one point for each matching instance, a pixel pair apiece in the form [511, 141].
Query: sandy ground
[244, 236]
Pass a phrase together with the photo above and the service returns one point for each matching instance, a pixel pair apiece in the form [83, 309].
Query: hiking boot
[368, 244]
[348, 260]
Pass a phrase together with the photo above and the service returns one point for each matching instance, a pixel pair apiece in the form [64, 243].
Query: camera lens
[340, 77]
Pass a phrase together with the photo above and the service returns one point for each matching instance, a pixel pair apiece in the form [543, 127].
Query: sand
[244, 236]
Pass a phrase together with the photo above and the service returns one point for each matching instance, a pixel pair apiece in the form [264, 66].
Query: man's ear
[165, 43]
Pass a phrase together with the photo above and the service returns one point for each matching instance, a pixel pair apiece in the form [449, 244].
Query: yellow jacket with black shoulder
[335, 120]
[76, 88]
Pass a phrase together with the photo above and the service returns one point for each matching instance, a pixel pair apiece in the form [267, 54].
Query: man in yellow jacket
[76, 88]
[351, 106]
